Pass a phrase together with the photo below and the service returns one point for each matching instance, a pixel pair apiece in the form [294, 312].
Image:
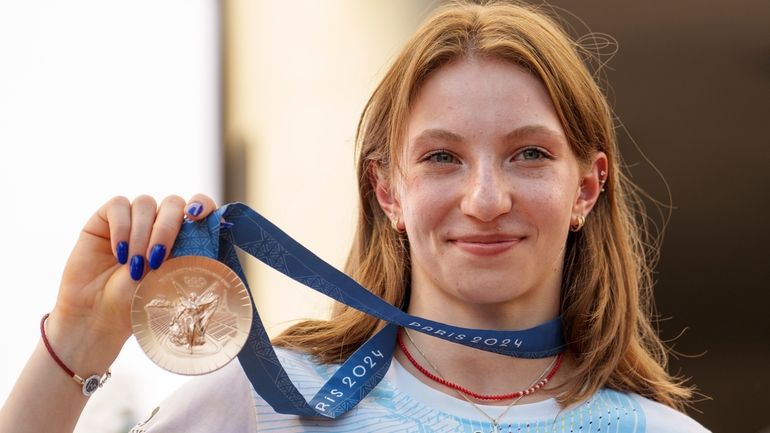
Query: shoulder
[663, 419]
[219, 401]
[302, 361]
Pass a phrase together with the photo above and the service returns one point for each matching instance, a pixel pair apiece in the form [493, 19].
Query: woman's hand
[91, 319]
[120, 243]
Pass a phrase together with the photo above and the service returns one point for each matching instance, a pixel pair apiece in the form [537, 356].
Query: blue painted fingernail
[195, 208]
[157, 254]
[122, 252]
[137, 267]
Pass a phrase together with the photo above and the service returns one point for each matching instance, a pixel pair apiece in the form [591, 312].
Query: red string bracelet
[470, 393]
[91, 383]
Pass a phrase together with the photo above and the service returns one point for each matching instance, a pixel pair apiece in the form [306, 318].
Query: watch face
[192, 315]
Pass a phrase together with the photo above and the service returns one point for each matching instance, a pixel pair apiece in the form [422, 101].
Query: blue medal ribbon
[236, 225]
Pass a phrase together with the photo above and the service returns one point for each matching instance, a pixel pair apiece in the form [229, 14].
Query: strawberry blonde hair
[606, 303]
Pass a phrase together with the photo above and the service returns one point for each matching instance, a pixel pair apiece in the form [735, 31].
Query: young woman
[491, 198]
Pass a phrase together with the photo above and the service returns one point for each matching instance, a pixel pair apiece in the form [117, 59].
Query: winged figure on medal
[193, 322]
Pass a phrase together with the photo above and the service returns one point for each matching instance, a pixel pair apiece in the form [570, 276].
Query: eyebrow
[444, 135]
[533, 130]
[439, 134]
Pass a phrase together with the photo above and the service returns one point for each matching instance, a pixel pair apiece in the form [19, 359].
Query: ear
[387, 197]
[591, 186]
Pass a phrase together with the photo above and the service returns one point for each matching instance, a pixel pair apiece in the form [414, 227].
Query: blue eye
[532, 154]
[442, 157]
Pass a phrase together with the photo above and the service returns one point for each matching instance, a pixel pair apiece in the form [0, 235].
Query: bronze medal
[192, 315]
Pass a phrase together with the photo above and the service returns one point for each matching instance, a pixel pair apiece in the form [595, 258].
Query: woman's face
[489, 188]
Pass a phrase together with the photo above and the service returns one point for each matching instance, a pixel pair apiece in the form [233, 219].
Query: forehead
[481, 97]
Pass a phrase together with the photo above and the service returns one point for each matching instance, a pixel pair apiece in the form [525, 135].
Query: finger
[112, 221]
[118, 215]
[164, 231]
[199, 207]
[143, 211]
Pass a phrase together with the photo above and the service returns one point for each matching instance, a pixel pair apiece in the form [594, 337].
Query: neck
[489, 383]
[480, 371]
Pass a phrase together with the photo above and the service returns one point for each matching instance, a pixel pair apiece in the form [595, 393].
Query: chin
[490, 295]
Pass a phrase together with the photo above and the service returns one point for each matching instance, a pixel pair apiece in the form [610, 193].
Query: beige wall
[297, 75]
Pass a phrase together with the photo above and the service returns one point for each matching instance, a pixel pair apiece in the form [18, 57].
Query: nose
[488, 195]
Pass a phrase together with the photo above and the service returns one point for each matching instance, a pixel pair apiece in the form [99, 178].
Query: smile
[492, 247]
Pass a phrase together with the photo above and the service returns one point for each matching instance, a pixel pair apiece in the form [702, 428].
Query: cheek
[424, 201]
[550, 203]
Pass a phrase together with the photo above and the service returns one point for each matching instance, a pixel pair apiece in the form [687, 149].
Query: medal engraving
[191, 316]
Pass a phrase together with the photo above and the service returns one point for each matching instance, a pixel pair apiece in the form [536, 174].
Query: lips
[486, 245]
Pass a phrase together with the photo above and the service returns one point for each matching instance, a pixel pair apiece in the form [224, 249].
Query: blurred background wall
[276, 88]
[296, 77]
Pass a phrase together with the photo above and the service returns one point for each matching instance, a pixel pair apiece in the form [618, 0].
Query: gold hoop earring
[394, 223]
[581, 220]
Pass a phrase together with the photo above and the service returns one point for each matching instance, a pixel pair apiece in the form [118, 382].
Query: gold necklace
[495, 421]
